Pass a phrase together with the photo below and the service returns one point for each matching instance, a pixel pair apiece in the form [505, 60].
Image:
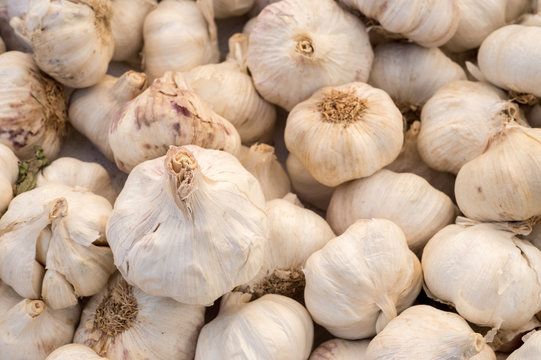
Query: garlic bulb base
[286, 282]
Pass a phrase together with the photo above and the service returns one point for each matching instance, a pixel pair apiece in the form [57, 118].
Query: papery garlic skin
[406, 199]
[489, 275]
[74, 351]
[228, 8]
[339, 349]
[271, 327]
[9, 171]
[178, 202]
[91, 110]
[178, 36]
[345, 132]
[32, 110]
[299, 46]
[371, 258]
[50, 28]
[123, 322]
[426, 333]
[531, 348]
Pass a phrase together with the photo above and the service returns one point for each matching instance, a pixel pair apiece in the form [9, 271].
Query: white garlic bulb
[339, 349]
[489, 275]
[503, 183]
[63, 254]
[178, 36]
[167, 113]
[49, 27]
[32, 107]
[371, 258]
[29, 329]
[406, 199]
[9, 170]
[531, 348]
[426, 333]
[345, 132]
[199, 191]
[74, 352]
[271, 327]
[299, 46]
[260, 160]
[91, 110]
[123, 322]
[229, 8]
[228, 90]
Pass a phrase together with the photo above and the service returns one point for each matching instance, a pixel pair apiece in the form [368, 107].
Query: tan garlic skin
[339, 349]
[406, 199]
[74, 352]
[91, 110]
[503, 184]
[50, 27]
[32, 107]
[9, 171]
[345, 132]
[167, 113]
[178, 36]
[228, 8]
[299, 46]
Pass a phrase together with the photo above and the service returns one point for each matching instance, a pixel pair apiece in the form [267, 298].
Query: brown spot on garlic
[341, 107]
[117, 311]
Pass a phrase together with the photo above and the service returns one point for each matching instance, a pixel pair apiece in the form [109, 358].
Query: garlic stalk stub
[299, 46]
[167, 113]
[9, 170]
[74, 351]
[229, 8]
[170, 209]
[339, 349]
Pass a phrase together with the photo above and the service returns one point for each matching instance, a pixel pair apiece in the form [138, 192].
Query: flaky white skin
[229, 8]
[339, 349]
[283, 74]
[489, 275]
[271, 327]
[9, 170]
[208, 231]
[362, 279]
[74, 352]
[531, 348]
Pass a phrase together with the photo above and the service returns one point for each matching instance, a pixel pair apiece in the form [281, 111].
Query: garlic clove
[42, 245]
[57, 292]
[74, 351]
[229, 8]
[531, 348]
[339, 349]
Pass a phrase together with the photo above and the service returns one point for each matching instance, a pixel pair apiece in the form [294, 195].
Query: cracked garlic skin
[74, 352]
[489, 275]
[9, 171]
[170, 209]
[340, 349]
[345, 132]
[271, 327]
[49, 27]
[371, 258]
[123, 322]
[228, 8]
[299, 46]
[531, 348]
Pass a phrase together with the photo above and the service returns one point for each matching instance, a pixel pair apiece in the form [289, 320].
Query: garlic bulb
[258, 6]
[489, 275]
[503, 183]
[430, 23]
[426, 333]
[531, 348]
[299, 46]
[259, 159]
[91, 110]
[74, 351]
[339, 349]
[32, 107]
[271, 327]
[52, 244]
[371, 258]
[29, 329]
[406, 199]
[127, 21]
[179, 201]
[49, 28]
[178, 36]
[411, 74]
[228, 90]
[459, 121]
[9, 9]
[514, 8]
[345, 132]
[9, 170]
[167, 113]
[123, 322]
[79, 174]
[229, 8]
[304, 184]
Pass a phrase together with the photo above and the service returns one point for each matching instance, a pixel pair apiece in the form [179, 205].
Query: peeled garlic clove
[339, 349]
[426, 333]
[9, 171]
[259, 159]
[531, 348]
[167, 113]
[178, 36]
[345, 132]
[503, 184]
[49, 27]
[199, 191]
[271, 327]
[123, 322]
[229, 8]
[299, 46]
[229, 90]
[74, 351]
[91, 110]
[406, 199]
[33, 108]
[489, 275]
[371, 258]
